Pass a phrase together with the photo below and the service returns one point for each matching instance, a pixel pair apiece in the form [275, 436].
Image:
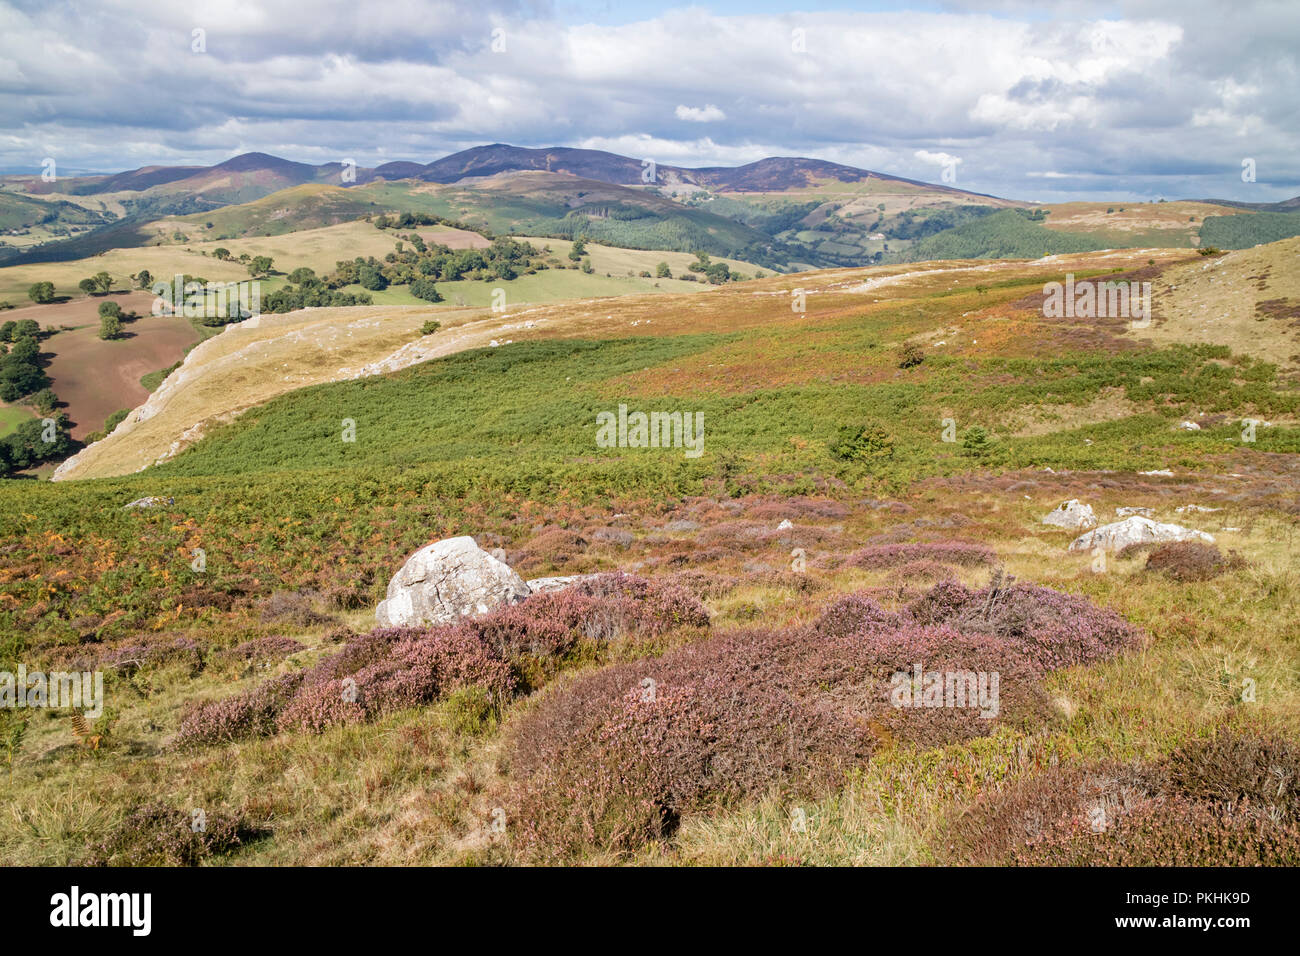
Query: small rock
[784, 525]
[1190, 427]
[1184, 508]
[559, 583]
[152, 501]
[1161, 473]
[1125, 512]
[1072, 514]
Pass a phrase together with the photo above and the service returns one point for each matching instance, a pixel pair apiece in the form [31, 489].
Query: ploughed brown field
[94, 378]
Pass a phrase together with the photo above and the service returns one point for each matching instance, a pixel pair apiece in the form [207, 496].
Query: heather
[610, 761]
[1191, 561]
[155, 834]
[501, 654]
[1230, 800]
[962, 553]
[1052, 629]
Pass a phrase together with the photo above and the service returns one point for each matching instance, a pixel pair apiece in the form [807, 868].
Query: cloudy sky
[1126, 100]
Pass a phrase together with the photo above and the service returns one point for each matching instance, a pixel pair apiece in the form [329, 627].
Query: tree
[221, 252]
[42, 293]
[425, 289]
[44, 401]
[372, 279]
[579, 249]
[302, 275]
[103, 282]
[88, 286]
[107, 309]
[663, 272]
[260, 266]
[7, 331]
[718, 273]
[144, 278]
[110, 327]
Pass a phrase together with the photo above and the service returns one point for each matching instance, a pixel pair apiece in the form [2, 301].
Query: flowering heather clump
[961, 553]
[940, 603]
[1229, 801]
[983, 683]
[600, 609]
[853, 614]
[613, 759]
[1002, 822]
[252, 714]
[158, 835]
[1055, 630]
[393, 668]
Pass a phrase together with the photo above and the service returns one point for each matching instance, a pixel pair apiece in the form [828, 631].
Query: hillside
[826, 498]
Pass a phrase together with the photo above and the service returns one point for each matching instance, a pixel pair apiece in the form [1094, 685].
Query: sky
[1129, 100]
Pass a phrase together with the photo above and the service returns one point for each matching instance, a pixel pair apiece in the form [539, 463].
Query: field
[94, 378]
[301, 528]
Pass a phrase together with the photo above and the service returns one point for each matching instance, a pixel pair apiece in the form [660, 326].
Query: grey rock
[1135, 530]
[448, 580]
[1072, 514]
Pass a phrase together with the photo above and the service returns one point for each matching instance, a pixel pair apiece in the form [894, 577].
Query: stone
[446, 581]
[559, 583]
[1125, 512]
[1072, 514]
[152, 501]
[1135, 530]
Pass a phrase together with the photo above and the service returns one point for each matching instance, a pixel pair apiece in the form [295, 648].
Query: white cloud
[696, 114]
[1163, 97]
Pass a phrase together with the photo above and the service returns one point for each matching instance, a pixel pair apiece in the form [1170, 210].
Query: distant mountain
[1285, 205]
[774, 174]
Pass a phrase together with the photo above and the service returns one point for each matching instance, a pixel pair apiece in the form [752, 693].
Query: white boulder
[1072, 514]
[1135, 530]
[448, 580]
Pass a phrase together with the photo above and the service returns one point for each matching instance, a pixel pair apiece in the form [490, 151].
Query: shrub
[862, 443]
[1190, 560]
[1234, 768]
[613, 759]
[393, 668]
[1052, 629]
[911, 355]
[1228, 801]
[156, 834]
[1171, 832]
[853, 614]
[110, 327]
[433, 325]
[296, 607]
[976, 441]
